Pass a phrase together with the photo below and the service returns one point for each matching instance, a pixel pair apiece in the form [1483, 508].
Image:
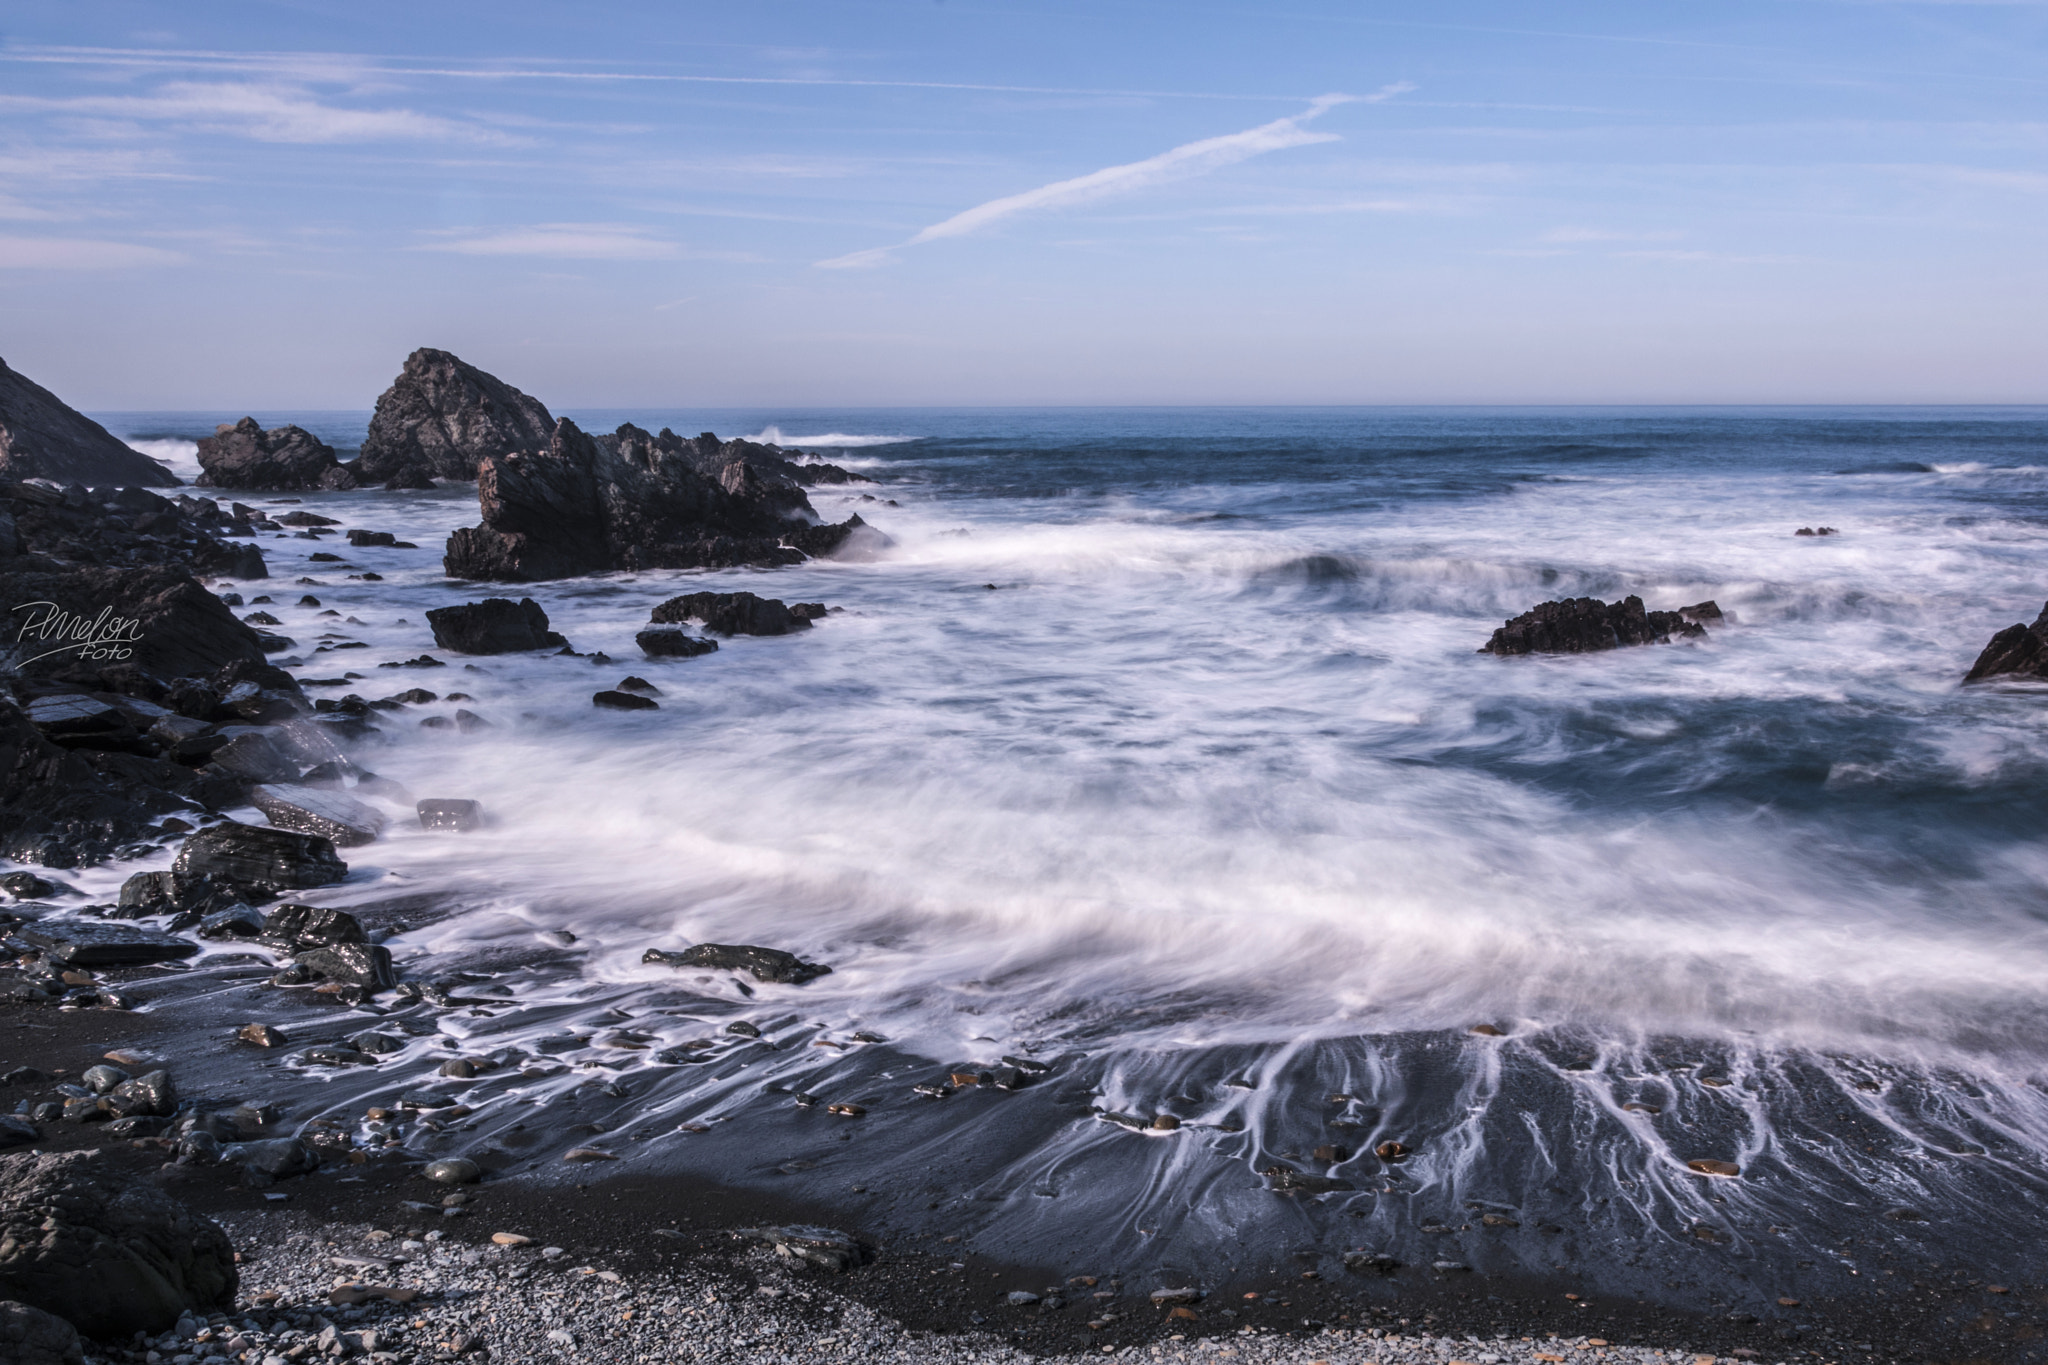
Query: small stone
[458, 1066]
[262, 1035]
[846, 1111]
[1331, 1154]
[454, 1170]
[641, 686]
[1710, 1166]
[1176, 1296]
[587, 1154]
[1165, 1123]
[1020, 1298]
[1391, 1151]
[511, 1239]
[1489, 1031]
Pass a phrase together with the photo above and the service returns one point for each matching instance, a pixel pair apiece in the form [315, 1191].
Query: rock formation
[127, 526]
[737, 613]
[442, 417]
[1579, 625]
[244, 455]
[43, 438]
[155, 619]
[496, 625]
[109, 1253]
[2018, 651]
[634, 501]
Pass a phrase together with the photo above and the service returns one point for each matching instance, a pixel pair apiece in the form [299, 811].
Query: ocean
[1158, 751]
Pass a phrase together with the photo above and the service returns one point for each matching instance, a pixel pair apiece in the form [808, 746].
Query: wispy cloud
[264, 112]
[1178, 163]
[75, 253]
[575, 242]
[1586, 234]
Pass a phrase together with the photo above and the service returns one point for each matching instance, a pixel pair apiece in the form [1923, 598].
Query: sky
[266, 204]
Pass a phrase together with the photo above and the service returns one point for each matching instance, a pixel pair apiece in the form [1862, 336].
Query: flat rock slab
[766, 964]
[62, 715]
[77, 943]
[258, 856]
[312, 810]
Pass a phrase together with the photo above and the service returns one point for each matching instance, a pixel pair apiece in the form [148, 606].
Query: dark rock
[455, 1170]
[672, 642]
[336, 1056]
[277, 1158]
[16, 1131]
[2018, 651]
[298, 928]
[766, 964]
[29, 1336]
[577, 505]
[640, 685]
[351, 964]
[111, 1254]
[311, 810]
[95, 943]
[1580, 625]
[158, 619]
[41, 437]
[624, 701]
[450, 813]
[244, 455]
[735, 613]
[168, 893]
[27, 886]
[306, 519]
[496, 625]
[441, 417]
[362, 539]
[151, 1093]
[377, 1044]
[1287, 1179]
[262, 1035]
[57, 809]
[258, 856]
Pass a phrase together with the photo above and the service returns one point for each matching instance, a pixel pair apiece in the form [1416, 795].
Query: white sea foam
[179, 456]
[831, 440]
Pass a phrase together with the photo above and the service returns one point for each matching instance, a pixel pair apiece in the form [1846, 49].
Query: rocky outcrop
[56, 809]
[2018, 651]
[737, 613]
[257, 855]
[442, 417]
[29, 1336]
[496, 625]
[41, 437]
[633, 501]
[764, 964]
[108, 1253]
[244, 455]
[156, 619]
[125, 527]
[1581, 625]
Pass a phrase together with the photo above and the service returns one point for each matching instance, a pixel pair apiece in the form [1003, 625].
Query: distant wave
[836, 440]
[175, 453]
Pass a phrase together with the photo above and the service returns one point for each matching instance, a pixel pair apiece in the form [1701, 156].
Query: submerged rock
[496, 625]
[738, 613]
[766, 964]
[442, 417]
[259, 856]
[577, 505]
[623, 701]
[2018, 651]
[88, 944]
[111, 1254]
[365, 965]
[1580, 625]
[673, 642]
[312, 810]
[243, 455]
[450, 813]
[42, 437]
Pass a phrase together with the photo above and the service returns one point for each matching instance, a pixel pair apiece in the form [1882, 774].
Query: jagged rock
[301, 928]
[442, 416]
[237, 921]
[310, 810]
[577, 505]
[86, 944]
[157, 619]
[766, 964]
[367, 965]
[150, 1095]
[27, 886]
[366, 540]
[168, 893]
[258, 856]
[1580, 625]
[2018, 651]
[244, 455]
[673, 642]
[111, 1254]
[57, 809]
[450, 813]
[29, 1336]
[41, 437]
[254, 756]
[738, 613]
[496, 625]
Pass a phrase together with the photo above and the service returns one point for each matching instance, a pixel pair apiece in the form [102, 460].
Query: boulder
[367, 965]
[301, 928]
[41, 437]
[313, 810]
[579, 505]
[673, 642]
[29, 1336]
[259, 856]
[86, 944]
[57, 809]
[442, 417]
[244, 455]
[156, 618]
[737, 613]
[623, 701]
[450, 813]
[2018, 651]
[1580, 625]
[766, 964]
[496, 625]
[167, 893]
[111, 1254]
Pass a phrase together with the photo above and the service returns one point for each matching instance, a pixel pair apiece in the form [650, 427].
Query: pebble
[454, 1170]
[263, 1035]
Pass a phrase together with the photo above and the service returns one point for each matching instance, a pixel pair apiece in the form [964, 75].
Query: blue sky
[266, 205]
